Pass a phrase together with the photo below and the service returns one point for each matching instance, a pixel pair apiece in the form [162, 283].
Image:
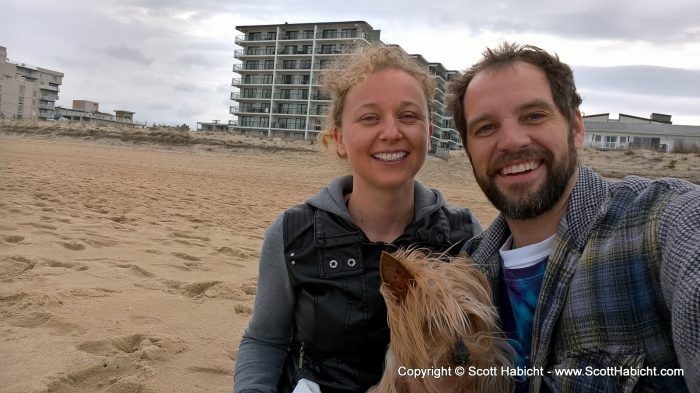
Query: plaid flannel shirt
[621, 289]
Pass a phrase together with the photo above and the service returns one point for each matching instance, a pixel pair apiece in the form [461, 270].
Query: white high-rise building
[278, 89]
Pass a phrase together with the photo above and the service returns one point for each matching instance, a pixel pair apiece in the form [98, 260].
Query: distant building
[632, 132]
[88, 111]
[27, 91]
[278, 89]
[214, 125]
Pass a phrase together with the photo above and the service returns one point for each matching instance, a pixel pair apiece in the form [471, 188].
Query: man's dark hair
[559, 75]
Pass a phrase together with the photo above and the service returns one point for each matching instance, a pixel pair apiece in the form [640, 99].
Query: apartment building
[278, 91]
[27, 91]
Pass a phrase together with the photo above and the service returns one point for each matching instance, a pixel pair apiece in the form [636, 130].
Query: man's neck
[537, 229]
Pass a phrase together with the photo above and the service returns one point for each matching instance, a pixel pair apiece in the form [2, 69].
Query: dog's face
[440, 314]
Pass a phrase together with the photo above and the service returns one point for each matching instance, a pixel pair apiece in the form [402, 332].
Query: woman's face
[386, 130]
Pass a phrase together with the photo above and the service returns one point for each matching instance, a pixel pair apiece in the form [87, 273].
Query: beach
[128, 265]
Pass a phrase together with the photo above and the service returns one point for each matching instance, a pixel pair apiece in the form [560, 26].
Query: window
[597, 138]
[610, 139]
[327, 49]
[271, 35]
[267, 93]
[267, 78]
[253, 50]
[254, 36]
[269, 50]
[305, 64]
[348, 33]
[248, 93]
[329, 33]
[269, 64]
[292, 35]
[290, 49]
[251, 65]
[308, 34]
[21, 90]
[289, 64]
[323, 64]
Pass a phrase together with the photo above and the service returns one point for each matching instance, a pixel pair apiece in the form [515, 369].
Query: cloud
[648, 80]
[125, 53]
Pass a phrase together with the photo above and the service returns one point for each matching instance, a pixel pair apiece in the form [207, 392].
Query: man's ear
[394, 275]
[578, 129]
[340, 147]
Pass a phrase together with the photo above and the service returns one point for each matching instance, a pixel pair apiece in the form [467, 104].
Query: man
[590, 276]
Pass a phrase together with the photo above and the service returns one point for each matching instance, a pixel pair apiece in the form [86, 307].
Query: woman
[318, 314]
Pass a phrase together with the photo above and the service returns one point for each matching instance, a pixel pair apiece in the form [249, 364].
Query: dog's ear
[394, 275]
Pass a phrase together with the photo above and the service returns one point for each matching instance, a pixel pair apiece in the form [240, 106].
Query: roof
[656, 129]
[244, 28]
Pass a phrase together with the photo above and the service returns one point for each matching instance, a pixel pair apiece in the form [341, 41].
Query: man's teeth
[389, 156]
[519, 168]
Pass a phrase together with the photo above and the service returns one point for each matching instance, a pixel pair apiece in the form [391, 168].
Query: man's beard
[521, 204]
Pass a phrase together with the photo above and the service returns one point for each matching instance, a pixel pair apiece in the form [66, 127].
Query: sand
[132, 267]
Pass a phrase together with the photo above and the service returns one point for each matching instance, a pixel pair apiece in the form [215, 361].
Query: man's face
[522, 149]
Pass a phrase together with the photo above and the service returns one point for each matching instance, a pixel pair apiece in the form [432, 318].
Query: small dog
[441, 316]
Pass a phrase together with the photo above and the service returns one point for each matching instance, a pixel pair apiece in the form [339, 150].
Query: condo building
[27, 91]
[278, 88]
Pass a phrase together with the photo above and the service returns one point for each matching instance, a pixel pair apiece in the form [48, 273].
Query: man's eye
[533, 117]
[485, 129]
[408, 115]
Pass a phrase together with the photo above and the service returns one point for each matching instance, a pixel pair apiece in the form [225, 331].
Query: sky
[170, 61]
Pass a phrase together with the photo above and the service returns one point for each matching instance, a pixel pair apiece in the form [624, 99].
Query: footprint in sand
[13, 239]
[13, 266]
[67, 265]
[73, 246]
[185, 256]
[138, 270]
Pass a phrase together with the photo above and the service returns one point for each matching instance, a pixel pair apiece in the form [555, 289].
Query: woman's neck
[382, 214]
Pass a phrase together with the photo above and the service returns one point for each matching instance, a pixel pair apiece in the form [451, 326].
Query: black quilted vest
[340, 329]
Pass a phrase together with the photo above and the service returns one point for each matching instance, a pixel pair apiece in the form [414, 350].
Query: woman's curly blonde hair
[349, 70]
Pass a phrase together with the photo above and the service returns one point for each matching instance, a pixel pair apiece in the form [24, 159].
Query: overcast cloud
[170, 61]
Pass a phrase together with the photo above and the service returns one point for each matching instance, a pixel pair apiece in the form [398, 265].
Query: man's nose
[513, 136]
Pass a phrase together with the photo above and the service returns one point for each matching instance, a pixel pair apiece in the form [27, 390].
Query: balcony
[344, 35]
[47, 106]
[298, 36]
[49, 87]
[292, 96]
[239, 96]
[234, 110]
[240, 53]
[290, 111]
[251, 81]
[248, 124]
[320, 97]
[251, 67]
[292, 81]
[254, 38]
[288, 125]
[47, 97]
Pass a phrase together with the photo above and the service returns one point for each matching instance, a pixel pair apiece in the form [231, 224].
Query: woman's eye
[408, 115]
[369, 118]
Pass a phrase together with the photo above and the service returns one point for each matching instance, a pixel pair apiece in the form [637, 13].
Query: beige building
[89, 112]
[27, 91]
[277, 93]
[632, 132]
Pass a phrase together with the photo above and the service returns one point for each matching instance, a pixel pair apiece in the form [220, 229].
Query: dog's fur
[432, 304]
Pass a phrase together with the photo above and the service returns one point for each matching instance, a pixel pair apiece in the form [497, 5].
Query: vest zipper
[301, 355]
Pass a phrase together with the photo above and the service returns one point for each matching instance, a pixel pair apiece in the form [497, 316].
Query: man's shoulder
[635, 190]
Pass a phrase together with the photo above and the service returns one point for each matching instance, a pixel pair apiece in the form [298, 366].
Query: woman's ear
[340, 147]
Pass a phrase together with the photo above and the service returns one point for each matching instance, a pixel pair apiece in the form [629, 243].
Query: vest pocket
[343, 261]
